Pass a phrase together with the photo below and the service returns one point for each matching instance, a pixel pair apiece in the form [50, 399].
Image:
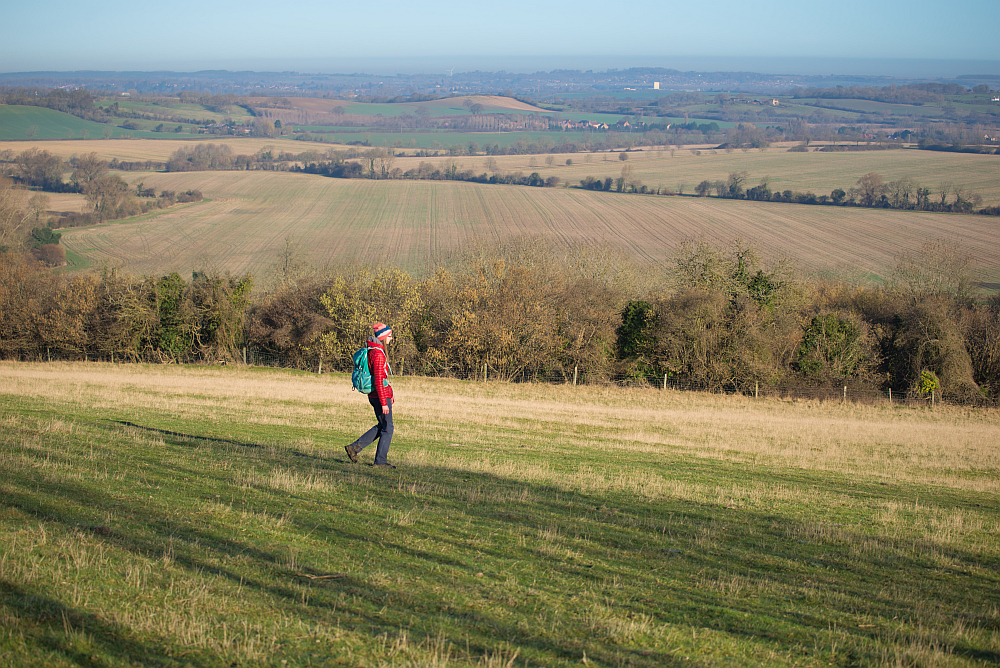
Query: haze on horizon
[891, 37]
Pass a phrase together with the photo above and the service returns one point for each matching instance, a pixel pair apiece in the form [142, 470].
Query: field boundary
[251, 357]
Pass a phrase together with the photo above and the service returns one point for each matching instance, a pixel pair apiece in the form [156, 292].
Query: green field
[439, 140]
[38, 123]
[178, 109]
[200, 516]
[925, 111]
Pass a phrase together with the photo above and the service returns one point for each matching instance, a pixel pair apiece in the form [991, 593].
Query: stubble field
[666, 167]
[412, 224]
[816, 172]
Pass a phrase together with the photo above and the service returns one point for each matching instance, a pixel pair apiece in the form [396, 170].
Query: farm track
[410, 224]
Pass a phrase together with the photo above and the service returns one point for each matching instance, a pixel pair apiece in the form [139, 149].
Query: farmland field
[178, 109]
[445, 106]
[158, 149]
[657, 167]
[39, 123]
[818, 172]
[207, 516]
[411, 223]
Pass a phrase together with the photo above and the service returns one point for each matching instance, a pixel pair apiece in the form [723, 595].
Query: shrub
[357, 298]
[836, 346]
[929, 339]
[52, 255]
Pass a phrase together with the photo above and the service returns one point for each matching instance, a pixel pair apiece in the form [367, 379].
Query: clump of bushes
[719, 318]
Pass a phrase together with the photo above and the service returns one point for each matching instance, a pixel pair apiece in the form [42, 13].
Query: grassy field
[409, 224]
[449, 106]
[178, 109]
[439, 140]
[200, 516]
[39, 123]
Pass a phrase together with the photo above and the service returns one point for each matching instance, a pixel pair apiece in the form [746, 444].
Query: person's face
[388, 338]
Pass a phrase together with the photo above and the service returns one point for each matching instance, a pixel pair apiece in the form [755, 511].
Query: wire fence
[577, 376]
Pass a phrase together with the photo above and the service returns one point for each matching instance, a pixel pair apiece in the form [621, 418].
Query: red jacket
[378, 363]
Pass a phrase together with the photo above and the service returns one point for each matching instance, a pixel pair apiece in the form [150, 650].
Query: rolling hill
[412, 223]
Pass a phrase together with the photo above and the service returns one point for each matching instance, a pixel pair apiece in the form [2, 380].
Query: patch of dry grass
[211, 510]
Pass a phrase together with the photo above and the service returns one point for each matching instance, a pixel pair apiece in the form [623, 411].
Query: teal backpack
[361, 375]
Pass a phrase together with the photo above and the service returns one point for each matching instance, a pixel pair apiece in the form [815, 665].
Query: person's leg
[385, 435]
[369, 436]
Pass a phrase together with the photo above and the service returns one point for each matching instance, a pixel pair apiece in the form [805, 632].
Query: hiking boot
[352, 454]
[387, 465]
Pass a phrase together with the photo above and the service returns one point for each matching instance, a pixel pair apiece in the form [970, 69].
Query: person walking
[380, 398]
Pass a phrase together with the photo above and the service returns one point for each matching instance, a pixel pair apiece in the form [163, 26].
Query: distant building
[656, 85]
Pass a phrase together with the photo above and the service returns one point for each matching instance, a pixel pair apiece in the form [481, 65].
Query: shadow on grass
[207, 439]
[763, 579]
[193, 437]
[92, 641]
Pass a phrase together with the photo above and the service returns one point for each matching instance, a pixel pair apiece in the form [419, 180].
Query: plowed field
[409, 223]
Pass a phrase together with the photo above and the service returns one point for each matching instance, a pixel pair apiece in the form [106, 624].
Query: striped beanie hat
[382, 330]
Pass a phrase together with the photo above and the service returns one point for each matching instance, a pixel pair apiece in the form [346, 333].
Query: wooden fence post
[575, 370]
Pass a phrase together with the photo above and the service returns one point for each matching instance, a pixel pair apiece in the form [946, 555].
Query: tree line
[716, 317]
[26, 226]
[919, 93]
[871, 190]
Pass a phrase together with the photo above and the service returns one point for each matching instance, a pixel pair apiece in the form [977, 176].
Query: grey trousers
[381, 431]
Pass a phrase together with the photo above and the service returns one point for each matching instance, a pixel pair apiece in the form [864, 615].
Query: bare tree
[871, 187]
[899, 192]
[940, 267]
[38, 204]
[87, 169]
[627, 178]
[734, 184]
[40, 168]
[107, 195]
[380, 161]
[945, 189]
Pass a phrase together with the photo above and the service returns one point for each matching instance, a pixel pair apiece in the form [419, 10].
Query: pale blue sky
[399, 36]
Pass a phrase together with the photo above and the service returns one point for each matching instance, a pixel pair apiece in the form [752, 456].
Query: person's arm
[378, 360]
